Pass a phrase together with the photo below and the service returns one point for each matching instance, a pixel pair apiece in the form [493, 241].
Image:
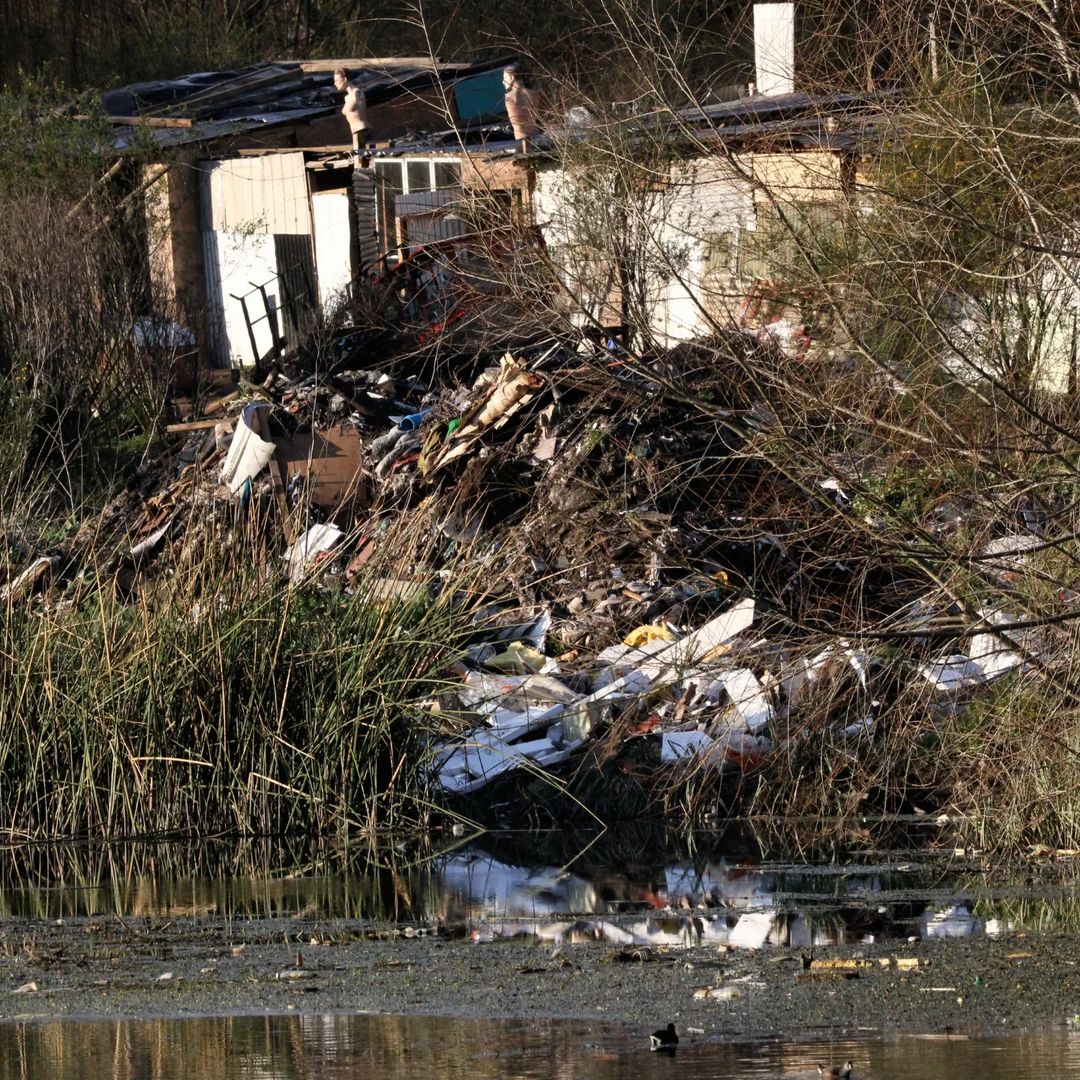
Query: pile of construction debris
[712, 695]
[628, 585]
[538, 717]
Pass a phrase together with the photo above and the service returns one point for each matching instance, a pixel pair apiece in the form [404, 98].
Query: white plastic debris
[832, 484]
[747, 698]
[741, 745]
[952, 673]
[249, 453]
[517, 706]
[679, 745]
[1005, 555]
[991, 651]
[487, 758]
[318, 540]
[991, 657]
[579, 719]
[717, 749]
[617, 660]
[803, 672]
[475, 764]
[514, 691]
[703, 643]
[147, 545]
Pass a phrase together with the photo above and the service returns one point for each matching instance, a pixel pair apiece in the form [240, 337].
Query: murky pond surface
[498, 888]
[330, 1047]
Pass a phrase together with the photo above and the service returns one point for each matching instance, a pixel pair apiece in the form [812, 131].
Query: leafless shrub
[75, 374]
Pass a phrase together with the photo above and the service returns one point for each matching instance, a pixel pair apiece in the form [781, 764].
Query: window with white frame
[409, 176]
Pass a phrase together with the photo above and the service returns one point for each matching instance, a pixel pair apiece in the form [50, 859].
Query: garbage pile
[712, 696]
[530, 712]
[642, 577]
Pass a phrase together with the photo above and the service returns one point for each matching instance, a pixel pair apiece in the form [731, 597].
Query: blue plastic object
[413, 420]
[481, 97]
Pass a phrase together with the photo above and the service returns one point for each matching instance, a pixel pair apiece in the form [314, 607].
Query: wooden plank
[109, 173]
[217, 404]
[192, 425]
[374, 63]
[329, 148]
[152, 121]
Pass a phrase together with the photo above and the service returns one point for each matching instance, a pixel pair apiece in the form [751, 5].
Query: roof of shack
[797, 121]
[208, 105]
[488, 140]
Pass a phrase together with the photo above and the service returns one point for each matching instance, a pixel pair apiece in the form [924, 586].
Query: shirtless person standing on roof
[355, 108]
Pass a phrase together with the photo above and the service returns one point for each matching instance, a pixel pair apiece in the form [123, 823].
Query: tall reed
[221, 699]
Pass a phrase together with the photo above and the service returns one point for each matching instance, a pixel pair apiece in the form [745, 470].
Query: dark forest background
[599, 45]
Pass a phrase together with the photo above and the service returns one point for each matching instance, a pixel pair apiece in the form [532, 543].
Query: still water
[332, 1047]
[492, 889]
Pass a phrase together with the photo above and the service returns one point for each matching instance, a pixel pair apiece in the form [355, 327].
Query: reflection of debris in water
[954, 921]
[738, 903]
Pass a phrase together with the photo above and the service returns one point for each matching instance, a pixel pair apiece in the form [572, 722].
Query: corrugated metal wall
[217, 340]
[426, 218]
[266, 194]
[365, 229]
[296, 272]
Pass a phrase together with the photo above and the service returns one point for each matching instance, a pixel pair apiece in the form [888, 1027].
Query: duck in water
[665, 1039]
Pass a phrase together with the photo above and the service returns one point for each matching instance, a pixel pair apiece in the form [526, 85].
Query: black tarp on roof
[279, 87]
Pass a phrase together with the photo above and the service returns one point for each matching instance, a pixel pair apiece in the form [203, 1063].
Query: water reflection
[332, 1047]
[490, 892]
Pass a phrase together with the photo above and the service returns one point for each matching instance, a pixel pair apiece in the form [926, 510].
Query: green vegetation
[226, 700]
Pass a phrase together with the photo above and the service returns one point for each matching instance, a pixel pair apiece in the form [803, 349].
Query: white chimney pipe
[774, 48]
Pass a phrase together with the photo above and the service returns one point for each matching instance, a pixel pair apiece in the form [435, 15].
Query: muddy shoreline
[108, 967]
